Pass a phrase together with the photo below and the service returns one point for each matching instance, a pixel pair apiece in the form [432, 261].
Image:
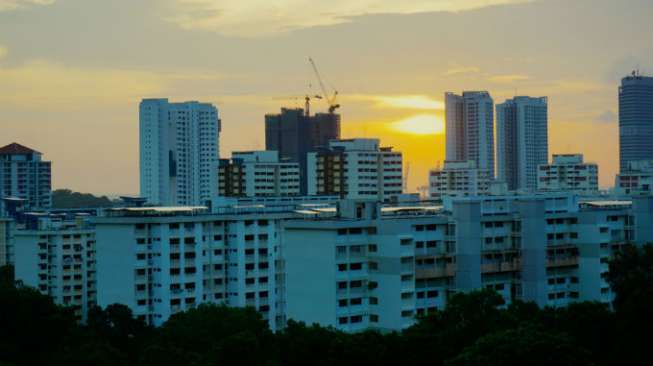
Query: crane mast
[331, 101]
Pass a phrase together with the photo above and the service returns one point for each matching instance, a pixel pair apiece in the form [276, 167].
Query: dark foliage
[65, 198]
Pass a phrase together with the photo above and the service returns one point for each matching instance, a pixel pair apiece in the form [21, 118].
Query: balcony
[500, 267]
[562, 262]
[436, 272]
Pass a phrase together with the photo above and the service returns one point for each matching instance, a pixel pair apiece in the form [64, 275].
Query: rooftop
[16, 149]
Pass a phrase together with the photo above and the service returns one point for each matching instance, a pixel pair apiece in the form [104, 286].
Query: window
[342, 285]
[342, 303]
[356, 301]
[342, 267]
[356, 266]
[343, 320]
[356, 319]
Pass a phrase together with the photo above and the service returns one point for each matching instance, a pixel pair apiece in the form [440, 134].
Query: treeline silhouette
[474, 329]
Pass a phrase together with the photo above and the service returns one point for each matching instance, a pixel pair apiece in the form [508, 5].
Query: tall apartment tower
[522, 141]
[293, 134]
[635, 119]
[24, 175]
[470, 128]
[179, 152]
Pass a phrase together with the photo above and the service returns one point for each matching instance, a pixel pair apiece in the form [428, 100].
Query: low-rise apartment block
[568, 172]
[459, 178]
[258, 174]
[355, 169]
[160, 261]
[637, 178]
[57, 257]
[380, 267]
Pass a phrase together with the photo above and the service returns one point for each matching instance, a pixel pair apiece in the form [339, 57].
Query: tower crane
[331, 101]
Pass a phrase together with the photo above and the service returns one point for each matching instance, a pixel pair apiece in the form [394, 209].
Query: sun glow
[423, 124]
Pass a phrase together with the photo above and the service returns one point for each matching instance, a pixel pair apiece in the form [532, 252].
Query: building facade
[294, 133]
[257, 174]
[636, 178]
[459, 178]
[568, 172]
[635, 119]
[379, 267]
[6, 241]
[24, 175]
[179, 152]
[522, 141]
[160, 261]
[57, 257]
[469, 120]
[355, 169]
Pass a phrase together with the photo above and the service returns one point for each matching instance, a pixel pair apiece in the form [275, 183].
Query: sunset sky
[72, 72]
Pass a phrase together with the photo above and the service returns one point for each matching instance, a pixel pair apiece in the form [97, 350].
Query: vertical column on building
[533, 250]
[643, 219]
[467, 215]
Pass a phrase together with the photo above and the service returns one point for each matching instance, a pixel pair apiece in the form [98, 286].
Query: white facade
[470, 128]
[179, 152]
[58, 259]
[257, 174]
[568, 172]
[522, 141]
[635, 178]
[160, 261]
[356, 169]
[459, 178]
[378, 268]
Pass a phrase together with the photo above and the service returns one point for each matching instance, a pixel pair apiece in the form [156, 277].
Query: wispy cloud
[459, 70]
[6, 5]
[606, 117]
[416, 102]
[259, 18]
[507, 79]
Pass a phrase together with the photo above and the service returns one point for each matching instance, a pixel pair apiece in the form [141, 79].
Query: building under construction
[294, 133]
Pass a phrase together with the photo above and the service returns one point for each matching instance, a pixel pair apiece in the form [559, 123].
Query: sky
[72, 72]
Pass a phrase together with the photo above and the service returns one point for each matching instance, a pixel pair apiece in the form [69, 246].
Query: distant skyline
[72, 72]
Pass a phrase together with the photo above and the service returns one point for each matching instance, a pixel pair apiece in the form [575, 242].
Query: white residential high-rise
[179, 152]
[356, 169]
[522, 141]
[379, 267]
[24, 175]
[568, 172]
[163, 260]
[459, 178]
[470, 128]
[57, 257]
[258, 174]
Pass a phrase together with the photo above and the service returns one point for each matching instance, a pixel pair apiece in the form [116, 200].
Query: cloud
[44, 84]
[6, 5]
[260, 18]
[606, 117]
[507, 79]
[416, 102]
[458, 70]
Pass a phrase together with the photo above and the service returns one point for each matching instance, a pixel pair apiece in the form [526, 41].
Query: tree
[212, 335]
[123, 334]
[522, 346]
[65, 198]
[631, 279]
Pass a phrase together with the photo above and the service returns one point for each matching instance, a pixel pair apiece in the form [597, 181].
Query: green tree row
[474, 329]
